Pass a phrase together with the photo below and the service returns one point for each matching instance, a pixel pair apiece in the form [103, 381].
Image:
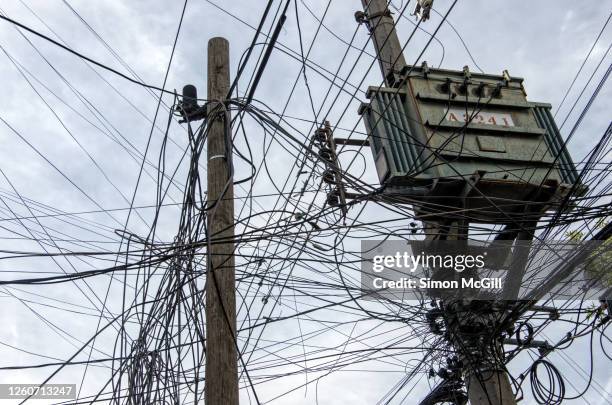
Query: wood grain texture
[221, 354]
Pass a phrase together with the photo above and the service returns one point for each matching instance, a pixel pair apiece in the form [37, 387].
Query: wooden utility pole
[487, 381]
[221, 356]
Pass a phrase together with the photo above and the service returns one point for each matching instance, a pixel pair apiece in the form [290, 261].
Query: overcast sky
[79, 150]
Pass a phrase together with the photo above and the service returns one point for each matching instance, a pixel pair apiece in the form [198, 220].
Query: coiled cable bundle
[551, 392]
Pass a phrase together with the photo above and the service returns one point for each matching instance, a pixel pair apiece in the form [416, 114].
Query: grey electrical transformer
[455, 139]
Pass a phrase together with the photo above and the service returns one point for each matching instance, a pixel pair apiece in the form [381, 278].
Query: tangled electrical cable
[550, 391]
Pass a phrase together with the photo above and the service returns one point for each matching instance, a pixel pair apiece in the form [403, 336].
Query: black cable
[80, 55]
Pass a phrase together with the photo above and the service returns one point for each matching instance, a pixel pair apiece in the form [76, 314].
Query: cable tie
[216, 157]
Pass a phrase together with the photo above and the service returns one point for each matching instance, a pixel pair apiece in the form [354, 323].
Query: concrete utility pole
[387, 43]
[487, 382]
[221, 355]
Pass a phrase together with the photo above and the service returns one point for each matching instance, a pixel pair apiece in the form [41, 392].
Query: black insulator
[190, 98]
[320, 135]
[360, 17]
[329, 177]
[326, 154]
[443, 374]
[332, 199]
